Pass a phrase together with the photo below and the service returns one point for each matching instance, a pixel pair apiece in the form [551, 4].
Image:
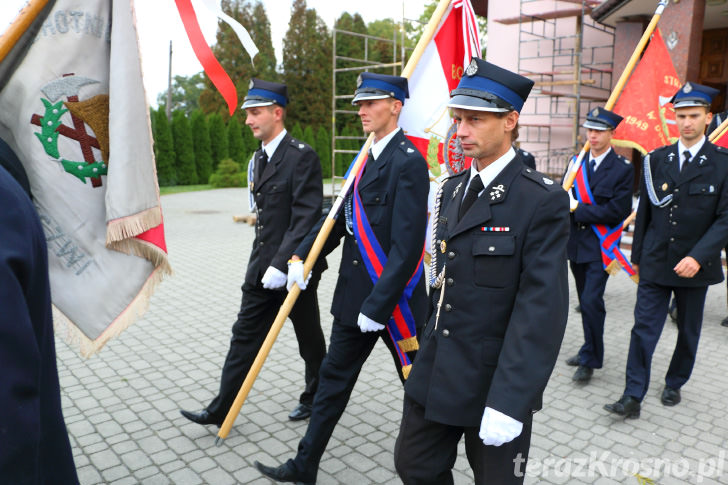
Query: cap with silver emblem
[380, 86]
[265, 93]
[487, 87]
[601, 119]
[692, 94]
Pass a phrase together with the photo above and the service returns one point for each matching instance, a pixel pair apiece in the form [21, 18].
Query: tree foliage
[323, 148]
[218, 139]
[236, 145]
[185, 93]
[164, 149]
[307, 66]
[183, 148]
[233, 58]
[201, 144]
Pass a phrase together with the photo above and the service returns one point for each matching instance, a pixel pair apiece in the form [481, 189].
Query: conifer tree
[236, 145]
[201, 143]
[184, 150]
[307, 66]
[323, 148]
[164, 149]
[308, 137]
[233, 58]
[297, 132]
[218, 139]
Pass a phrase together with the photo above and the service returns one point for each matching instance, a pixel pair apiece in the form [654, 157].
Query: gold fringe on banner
[127, 227]
[408, 344]
[613, 268]
[406, 371]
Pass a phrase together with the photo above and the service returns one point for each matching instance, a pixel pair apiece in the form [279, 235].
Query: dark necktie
[476, 185]
[686, 154]
[592, 168]
[260, 164]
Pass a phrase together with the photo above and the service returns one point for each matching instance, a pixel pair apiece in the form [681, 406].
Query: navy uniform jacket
[694, 224]
[394, 190]
[34, 446]
[505, 306]
[288, 196]
[528, 159]
[611, 187]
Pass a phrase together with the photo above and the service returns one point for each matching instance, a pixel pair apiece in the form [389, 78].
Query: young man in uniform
[500, 298]
[609, 178]
[288, 193]
[383, 227]
[681, 226]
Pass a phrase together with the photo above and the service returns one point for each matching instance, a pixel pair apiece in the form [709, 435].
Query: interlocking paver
[121, 406]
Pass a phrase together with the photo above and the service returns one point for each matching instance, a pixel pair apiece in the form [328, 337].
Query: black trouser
[425, 452]
[258, 310]
[349, 348]
[591, 279]
[650, 313]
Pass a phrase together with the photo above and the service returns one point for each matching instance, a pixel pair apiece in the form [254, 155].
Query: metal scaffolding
[342, 64]
[569, 56]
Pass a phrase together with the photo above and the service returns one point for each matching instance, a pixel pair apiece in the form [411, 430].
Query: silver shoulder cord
[651, 188]
[436, 281]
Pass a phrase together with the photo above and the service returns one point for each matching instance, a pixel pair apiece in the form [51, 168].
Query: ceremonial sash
[401, 326]
[609, 237]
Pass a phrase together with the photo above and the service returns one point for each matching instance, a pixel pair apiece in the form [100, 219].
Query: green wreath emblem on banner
[48, 136]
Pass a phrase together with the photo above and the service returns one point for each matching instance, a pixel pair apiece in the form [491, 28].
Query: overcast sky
[158, 22]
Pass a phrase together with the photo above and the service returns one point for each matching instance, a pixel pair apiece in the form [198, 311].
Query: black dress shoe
[573, 361]
[627, 406]
[282, 473]
[300, 412]
[201, 417]
[670, 396]
[583, 374]
[724, 323]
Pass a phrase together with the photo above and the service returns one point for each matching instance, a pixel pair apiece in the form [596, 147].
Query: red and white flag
[74, 111]
[649, 118]
[425, 117]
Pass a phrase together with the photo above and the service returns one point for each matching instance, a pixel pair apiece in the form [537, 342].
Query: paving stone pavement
[121, 406]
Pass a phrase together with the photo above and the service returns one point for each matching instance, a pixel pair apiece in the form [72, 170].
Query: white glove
[497, 428]
[573, 203]
[366, 324]
[295, 275]
[273, 278]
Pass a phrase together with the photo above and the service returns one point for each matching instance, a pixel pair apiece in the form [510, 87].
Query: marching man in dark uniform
[288, 193]
[34, 445]
[500, 296]
[681, 226]
[380, 292]
[609, 179]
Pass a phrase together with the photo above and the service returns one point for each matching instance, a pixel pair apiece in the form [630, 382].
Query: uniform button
[451, 255]
[450, 282]
[677, 190]
[262, 243]
[672, 239]
[257, 194]
[260, 227]
[355, 262]
[445, 332]
[675, 206]
[674, 223]
[491, 248]
[448, 307]
[274, 187]
[376, 199]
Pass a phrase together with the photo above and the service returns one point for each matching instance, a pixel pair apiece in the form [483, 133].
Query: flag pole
[574, 167]
[25, 19]
[318, 243]
[720, 131]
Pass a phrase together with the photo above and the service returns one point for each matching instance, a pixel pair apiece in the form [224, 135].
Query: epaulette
[721, 150]
[659, 150]
[627, 162]
[298, 144]
[407, 147]
[540, 179]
